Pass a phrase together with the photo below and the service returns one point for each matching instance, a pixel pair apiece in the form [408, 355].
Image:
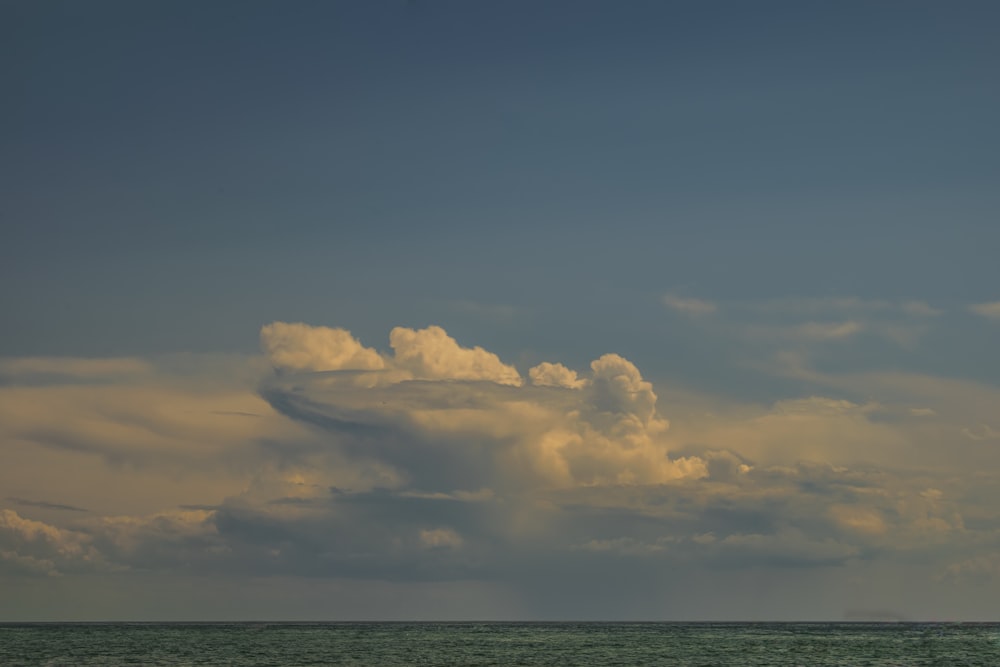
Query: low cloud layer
[431, 463]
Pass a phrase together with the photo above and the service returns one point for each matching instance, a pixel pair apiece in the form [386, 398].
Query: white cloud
[303, 347]
[548, 374]
[432, 354]
[423, 354]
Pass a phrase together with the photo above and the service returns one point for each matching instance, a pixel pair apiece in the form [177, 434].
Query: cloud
[425, 354]
[35, 547]
[982, 432]
[990, 310]
[920, 309]
[689, 306]
[818, 306]
[788, 548]
[440, 538]
[824, 330]
[434, 355]
[302, 347]
[807, 331]
[859, 519]
[181, 437]
[817, 321]
[627, 546]
[439, 463]
[548, 374]
[815, 429]
[980, 569]
[47, 370]
[954, 414]
[858, 307]
[161, 541]
[459, 419]
[45, 505]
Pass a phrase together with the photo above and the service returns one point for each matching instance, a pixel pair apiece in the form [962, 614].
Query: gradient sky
[522, 310]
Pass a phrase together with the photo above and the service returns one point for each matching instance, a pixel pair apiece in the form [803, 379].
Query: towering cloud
[447, 408]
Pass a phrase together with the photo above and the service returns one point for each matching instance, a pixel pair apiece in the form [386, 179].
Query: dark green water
[590, 644]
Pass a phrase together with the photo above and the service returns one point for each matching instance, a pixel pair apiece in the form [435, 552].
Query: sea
[481, 644]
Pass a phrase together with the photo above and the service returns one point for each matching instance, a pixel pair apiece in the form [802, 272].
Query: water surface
[482, 644]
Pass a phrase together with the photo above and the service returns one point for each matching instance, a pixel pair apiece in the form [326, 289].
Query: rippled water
[687, 644]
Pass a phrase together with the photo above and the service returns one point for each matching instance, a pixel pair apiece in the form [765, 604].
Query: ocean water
[563, 644]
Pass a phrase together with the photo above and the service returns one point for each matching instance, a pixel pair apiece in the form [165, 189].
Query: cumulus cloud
[548, 374]
[39, 548]
[453, 418]
[425, 354]
[302, 347]
[434, 355]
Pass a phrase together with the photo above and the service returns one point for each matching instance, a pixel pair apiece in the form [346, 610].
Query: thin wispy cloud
[41, 504]
[990, 310]
[688, 305]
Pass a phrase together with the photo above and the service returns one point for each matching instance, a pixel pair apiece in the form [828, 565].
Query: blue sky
[779, 215]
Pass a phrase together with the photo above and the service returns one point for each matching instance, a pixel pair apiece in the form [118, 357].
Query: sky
[419, 309]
